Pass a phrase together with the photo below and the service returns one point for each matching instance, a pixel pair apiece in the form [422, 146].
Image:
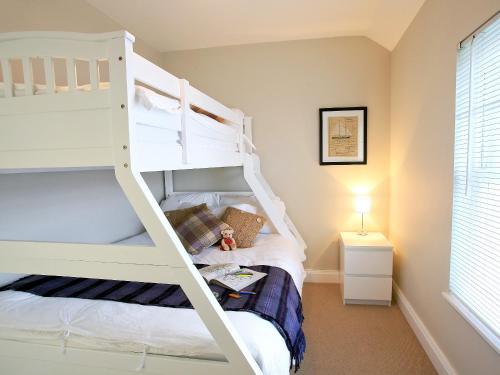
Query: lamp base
[362, 231]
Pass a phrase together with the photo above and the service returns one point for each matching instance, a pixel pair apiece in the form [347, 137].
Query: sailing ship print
[343, 136]
[341, 131]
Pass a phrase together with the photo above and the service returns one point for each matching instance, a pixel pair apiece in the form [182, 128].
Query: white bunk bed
[104, 125]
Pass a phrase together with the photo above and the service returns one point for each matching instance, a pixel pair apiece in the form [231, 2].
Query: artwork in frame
[343, 135]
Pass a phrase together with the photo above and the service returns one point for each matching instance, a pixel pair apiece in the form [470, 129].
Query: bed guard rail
[103, 70]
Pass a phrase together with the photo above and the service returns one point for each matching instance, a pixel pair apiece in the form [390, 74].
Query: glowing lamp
[363, 204]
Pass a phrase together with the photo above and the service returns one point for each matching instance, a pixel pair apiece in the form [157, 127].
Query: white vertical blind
[475, 252]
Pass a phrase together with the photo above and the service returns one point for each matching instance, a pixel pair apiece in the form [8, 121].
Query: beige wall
[282, 85]
[62, 15]
[422, 136]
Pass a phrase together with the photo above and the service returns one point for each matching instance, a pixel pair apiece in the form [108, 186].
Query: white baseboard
[436, 355]
[322, 276]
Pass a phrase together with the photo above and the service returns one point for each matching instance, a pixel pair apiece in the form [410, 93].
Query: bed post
[185, 107]
[168, 183]
[247, 128]
[163, 235]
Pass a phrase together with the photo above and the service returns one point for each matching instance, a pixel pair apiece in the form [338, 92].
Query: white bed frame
[96, 129]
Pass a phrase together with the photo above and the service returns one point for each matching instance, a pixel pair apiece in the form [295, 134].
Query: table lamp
[363, 205]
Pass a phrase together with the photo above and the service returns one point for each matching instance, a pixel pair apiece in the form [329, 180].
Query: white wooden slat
[158, 157]
[53, 47]
[50, 82]
[248, 133]
[28, 76]
[109, 253]
[44, 170]
[95, 100]
[148, 73]
[161, 165]
[211, 105]
[185, 137]
[83, 140]
[56, 158]
[200, 127]
[168, 182]
[7, 77]
[71, 73]
[218, 159]
[36, 131]
[151, 136]
[295, 231]
[94, 74]
[93, 270]
[42, 359]
[228, 193]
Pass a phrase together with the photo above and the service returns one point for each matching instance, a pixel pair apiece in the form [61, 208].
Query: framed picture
[342, 134]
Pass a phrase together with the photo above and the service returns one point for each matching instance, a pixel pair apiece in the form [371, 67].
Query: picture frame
[343, 135]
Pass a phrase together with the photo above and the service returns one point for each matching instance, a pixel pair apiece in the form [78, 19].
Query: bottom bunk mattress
[115, 326]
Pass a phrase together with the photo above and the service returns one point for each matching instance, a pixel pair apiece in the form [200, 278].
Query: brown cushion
[199, 230]
[176, 217]
[245, 224]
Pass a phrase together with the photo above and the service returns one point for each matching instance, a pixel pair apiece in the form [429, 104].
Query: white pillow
[176, 201]
[268, 228]
[232, 199]
[219, 211]
[151, 99]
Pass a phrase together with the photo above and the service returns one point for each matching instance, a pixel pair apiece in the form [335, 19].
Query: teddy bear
[227, 242]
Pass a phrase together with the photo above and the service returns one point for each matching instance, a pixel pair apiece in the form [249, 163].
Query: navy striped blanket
[276, 300]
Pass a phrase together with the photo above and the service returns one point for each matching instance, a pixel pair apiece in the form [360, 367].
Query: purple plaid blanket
[276, 300]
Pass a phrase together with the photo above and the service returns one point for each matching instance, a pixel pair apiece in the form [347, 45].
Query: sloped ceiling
[170, 25]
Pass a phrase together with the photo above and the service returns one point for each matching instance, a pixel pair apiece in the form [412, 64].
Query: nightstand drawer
[367, 288]
[368, 262]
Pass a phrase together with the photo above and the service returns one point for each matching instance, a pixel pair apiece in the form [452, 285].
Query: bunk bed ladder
[194, 286]
[263, 192]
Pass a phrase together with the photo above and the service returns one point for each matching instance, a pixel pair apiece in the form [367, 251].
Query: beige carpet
[357, 339]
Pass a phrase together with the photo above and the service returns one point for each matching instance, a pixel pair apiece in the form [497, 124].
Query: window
[475, 244]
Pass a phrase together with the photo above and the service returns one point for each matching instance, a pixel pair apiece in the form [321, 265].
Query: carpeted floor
[357, 339]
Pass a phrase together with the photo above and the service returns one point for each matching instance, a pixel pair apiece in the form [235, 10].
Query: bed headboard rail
[32, 61]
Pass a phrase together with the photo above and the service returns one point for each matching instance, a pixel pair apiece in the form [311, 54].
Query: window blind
[475, 244]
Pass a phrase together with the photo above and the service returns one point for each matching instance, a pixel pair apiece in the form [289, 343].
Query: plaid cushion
[177, 217]
[200, 230]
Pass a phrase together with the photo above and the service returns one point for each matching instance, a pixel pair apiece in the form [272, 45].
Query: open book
[231, 276]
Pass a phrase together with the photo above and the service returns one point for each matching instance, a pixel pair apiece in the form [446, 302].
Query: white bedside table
[365, 268]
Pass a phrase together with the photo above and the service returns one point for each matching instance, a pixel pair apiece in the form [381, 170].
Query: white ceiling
[170, 25]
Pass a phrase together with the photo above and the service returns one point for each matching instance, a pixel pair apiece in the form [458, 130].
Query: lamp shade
[363, 204]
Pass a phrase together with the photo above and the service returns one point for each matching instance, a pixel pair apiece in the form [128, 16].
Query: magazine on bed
[231, 276]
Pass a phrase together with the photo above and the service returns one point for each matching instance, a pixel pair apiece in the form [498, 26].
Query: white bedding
[126, 327]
